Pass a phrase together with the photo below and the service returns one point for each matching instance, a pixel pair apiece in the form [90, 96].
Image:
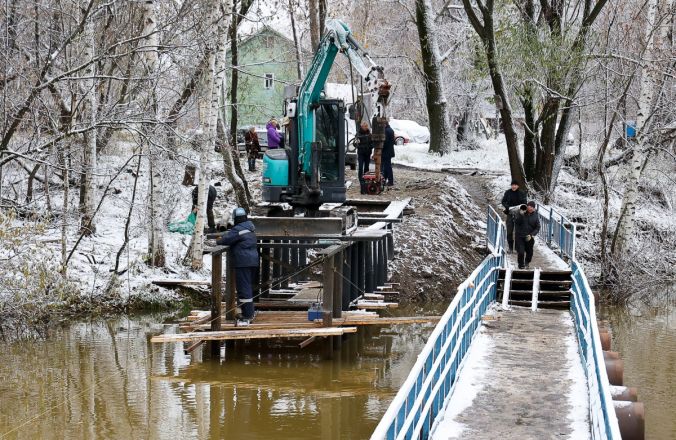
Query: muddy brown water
[645, 336]
[104, 379]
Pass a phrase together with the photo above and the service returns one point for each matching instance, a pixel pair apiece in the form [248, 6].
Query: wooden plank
[252, 334]
[354, 320]
[364, 304]
[373, 296]
[170, 283]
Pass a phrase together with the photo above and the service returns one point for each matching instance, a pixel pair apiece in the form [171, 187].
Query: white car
[406, 131]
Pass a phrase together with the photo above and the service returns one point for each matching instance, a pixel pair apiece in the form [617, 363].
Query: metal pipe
[369, 268]
[285, 270]
[265, 268]
[354, 271]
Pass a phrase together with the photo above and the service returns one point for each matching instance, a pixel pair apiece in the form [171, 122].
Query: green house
[267, 63]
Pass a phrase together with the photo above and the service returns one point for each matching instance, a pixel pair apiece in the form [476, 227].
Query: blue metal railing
[496, 232]
[420, 399]
[556, 230]
[559, 233]
[412, 413]
[602, 416]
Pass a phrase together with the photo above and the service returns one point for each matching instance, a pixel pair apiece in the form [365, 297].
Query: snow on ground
[578, 398]
[492, 156]
[90, 269]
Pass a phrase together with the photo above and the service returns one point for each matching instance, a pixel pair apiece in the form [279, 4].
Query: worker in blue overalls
[242, 241]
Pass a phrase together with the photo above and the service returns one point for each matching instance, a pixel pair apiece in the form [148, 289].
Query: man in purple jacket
[274, 137]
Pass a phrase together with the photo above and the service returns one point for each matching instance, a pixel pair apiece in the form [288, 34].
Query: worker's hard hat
[239, 215]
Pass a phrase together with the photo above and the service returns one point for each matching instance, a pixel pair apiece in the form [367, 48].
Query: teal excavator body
[310, 170]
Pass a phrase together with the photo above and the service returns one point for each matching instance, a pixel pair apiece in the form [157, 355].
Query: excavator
[310, 170]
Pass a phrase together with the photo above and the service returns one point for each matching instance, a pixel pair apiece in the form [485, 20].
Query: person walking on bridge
[526, 227]
[243, 245]
[512, 197]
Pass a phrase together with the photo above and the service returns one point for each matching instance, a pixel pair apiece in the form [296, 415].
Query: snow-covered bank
[653, 252]
[31, 286]
[491, 156]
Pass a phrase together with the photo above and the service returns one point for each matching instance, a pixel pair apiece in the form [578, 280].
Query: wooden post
[327, 286]
[230, 288]
[216, 299]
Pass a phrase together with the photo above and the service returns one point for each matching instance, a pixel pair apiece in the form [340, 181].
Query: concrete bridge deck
[522, 378]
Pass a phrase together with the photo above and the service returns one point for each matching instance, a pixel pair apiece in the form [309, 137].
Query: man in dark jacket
[387, 155]
[364, 149]
[211, 198]
[512, 197]
[253, 147]
[526, 226]
[242, 241]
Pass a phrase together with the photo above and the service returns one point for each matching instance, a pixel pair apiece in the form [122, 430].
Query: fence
[556, 229]
[412, 413]
[419, 400]
[496, 233]
[602, 416]
[560, 232]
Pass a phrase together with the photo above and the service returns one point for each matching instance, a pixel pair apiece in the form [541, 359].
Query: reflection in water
[645, 336]
[105, 380]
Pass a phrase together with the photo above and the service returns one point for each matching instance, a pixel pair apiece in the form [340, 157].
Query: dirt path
[442, 242]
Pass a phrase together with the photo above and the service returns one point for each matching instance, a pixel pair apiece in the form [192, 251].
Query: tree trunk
[437, 106]
[156, 251]
[314, 23]
[323, 6]
[296, 41]
[234, 75]
[89, 157]
[64, 213]
[240, 189]
[486, 32]
[530, 134]
[208, 103]
[625, 224]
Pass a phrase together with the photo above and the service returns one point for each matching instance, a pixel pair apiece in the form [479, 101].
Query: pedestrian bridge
[517, 354]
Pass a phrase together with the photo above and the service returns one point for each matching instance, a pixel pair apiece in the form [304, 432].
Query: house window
[269, 80]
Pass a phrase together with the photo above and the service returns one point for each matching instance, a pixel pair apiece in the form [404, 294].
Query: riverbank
[435, 248]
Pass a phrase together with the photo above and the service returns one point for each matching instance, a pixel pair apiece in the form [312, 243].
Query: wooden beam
[253, 334]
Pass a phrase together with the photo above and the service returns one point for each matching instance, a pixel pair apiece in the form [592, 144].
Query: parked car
[401, 138]
[406, 131]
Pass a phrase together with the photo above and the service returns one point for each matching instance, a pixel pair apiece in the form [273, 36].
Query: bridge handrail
[559, 234]
[556, 229]
[496, 232]
[423, 394]
[602, 415]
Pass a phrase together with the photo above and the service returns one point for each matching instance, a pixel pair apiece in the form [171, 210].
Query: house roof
[265, 30]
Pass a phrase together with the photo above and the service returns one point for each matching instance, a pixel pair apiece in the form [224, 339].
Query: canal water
[645, 336]
[104, 379]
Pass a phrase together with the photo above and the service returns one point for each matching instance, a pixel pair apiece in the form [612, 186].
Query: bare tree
[485, 29]
[656, 36]
[437, 106]
[208, 100]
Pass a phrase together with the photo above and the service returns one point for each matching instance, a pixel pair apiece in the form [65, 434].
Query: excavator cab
[285, 181]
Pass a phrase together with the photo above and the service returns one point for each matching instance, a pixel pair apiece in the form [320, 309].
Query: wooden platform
[252, 334]
[270, 320]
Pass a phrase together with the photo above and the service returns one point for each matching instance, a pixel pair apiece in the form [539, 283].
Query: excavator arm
[310, 171]
[337, 39]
